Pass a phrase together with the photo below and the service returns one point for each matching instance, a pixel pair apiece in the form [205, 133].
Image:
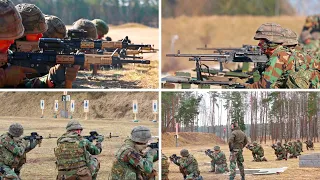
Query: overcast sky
[306, 7]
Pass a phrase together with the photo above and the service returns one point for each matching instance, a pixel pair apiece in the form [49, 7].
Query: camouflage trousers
[193, 176]
[89, 172]
[236, 157]
[219, 168]
[164, 173]
[258, 157]
[281, 156]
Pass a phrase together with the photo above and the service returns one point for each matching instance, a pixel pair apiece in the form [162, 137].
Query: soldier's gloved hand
[33, 143]
[71, 73]
[153, 153]
[100, 139]
[57, 74]
[14, 75]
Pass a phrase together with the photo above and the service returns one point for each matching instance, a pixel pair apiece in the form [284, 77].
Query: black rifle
[42, 62]
[208, 151]
[154, 145]
[35, 136]
[93, 136]
[249, 146]
[174, 157]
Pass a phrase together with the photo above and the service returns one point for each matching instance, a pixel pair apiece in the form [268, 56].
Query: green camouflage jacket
[131, 164]
[237, 140]
[218, 158]
[188, 165]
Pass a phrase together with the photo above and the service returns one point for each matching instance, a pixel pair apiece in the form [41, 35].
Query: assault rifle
[249, 146]
[42, 62]
[36, 136]
[174, 157]
[244, 47]
[208, 151]
[95, 135]
[154, 145]
[273, 146]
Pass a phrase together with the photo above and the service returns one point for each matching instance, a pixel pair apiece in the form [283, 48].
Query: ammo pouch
[299, 79]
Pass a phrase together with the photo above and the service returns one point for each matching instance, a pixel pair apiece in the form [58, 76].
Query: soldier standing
[130, 161]
[13, 151]
[237, 142]
[218, 158]
[74, 154]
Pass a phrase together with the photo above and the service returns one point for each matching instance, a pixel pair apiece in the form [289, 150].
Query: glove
[71, 73]
[153, 153]
[100, 139]
[57, 74]
[14, 75]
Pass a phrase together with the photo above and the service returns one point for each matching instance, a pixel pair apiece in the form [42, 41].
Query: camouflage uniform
[285, 69]
[292, 151]
[15, 76]
[13, 151]
[237, 141]
[309, 144]
[164, 167]
[130, 162]
[218, 158]
[74, 155]
[188, 166]
[280, 152]
[258, 153]
[299, 143]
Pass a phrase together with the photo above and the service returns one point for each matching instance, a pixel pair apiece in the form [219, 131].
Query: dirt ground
[293, 171]
[215, 31]
[102, 105]
[41, 161]
[132, 76]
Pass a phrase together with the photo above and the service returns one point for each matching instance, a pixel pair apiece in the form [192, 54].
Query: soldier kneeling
[188, 165]
[74, 155]
[218, 159]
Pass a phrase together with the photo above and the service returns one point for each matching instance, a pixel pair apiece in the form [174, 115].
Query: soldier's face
[79, 131]
[4, 45]
[33, 37]
[262, 44]
[140, 146]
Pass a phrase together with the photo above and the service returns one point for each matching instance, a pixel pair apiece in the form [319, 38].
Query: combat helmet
[32, 19]
[73, 125]
[305, 35]
[88, 26]
[216, 148]
[102, 27]
[184, 153]
[270, 31]
[290, 37]
[255, 143]
[56, 27]
[279, 143]
[11, 21]
[16, 130]
[140, 134]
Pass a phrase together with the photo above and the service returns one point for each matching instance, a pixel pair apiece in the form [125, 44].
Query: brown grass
[293, 171]
[216, 31]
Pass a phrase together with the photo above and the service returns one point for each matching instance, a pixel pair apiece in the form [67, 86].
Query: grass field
[215, 31]
[293, 171]
[41, 161]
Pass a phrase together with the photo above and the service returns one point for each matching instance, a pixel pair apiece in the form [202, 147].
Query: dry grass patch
[293, 171]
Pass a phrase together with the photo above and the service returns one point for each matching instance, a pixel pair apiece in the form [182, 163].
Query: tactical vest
[120, 168]
[70, 155]
[7, 157]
